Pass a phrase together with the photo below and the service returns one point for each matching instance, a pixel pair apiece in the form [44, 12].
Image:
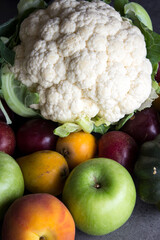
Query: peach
[38, 216]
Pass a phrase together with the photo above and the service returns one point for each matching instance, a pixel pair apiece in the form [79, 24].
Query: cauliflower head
[83, 59]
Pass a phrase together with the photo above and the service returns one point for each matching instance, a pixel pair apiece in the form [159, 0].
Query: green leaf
[5, 40]
[152, 43]
[102, 129]
[25, 5]
[156, 86]
[154, 70]
[99, 121]
[14, 39]
[133, 9]
[1, 60]
[24, 94]
[6, 54]
[15, 95]
[107, 1]
[8, 120]
[85, 123]
[152, 40]
[123, 121]
[119, 5]
[11, 28]
[8, 28]
[65, 129]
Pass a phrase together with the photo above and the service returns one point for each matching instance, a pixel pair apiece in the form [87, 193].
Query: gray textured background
[144, 224]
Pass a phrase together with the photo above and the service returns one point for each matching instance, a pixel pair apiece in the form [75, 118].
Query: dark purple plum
[143, 126]
[8, 110]
[35, 135]
[157, 77]
[120, 147]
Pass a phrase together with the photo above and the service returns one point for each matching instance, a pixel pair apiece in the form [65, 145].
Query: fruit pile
[45, 180]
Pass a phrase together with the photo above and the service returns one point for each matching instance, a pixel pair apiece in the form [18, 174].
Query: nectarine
[38, 216]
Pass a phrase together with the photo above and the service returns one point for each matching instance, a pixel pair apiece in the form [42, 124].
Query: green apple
[100, 194]
[11, 182]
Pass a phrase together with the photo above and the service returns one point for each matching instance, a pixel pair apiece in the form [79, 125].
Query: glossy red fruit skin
[120, 147]
[143, 126]
[35, 135]
[7, 139]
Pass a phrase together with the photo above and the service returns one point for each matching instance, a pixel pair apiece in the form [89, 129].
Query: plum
[143, 126]
[35, 135]
[118, 146]
[8, 110]
[157, 77]
[7, 139]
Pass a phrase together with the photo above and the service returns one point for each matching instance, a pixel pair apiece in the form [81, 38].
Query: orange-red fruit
[38, 217]
[44, 172]
[78, 147]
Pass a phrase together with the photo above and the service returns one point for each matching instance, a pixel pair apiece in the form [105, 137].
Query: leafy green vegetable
[8, 28]
[119, 5]
[85, 123]
[6, 54]
[65, 129]
[141, 19]
[25, 5]
[102, 129]
[106, 1]
[96, 125]
[156, 86]
[152, 40]
[17, 95]
[133, 9]
[8, 120]
[5, 40]
[123, 121]
[11, 28]
[152, 43]
[24, 95]
[100, 125]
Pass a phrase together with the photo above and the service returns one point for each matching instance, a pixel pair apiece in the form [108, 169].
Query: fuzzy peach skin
[39, 216]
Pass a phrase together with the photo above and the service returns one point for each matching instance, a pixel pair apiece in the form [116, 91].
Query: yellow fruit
[77, 147]
[44, 172]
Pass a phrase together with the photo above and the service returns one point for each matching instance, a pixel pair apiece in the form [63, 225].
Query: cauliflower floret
[84, 60]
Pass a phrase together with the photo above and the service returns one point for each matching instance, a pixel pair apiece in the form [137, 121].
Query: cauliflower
[84, 60]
